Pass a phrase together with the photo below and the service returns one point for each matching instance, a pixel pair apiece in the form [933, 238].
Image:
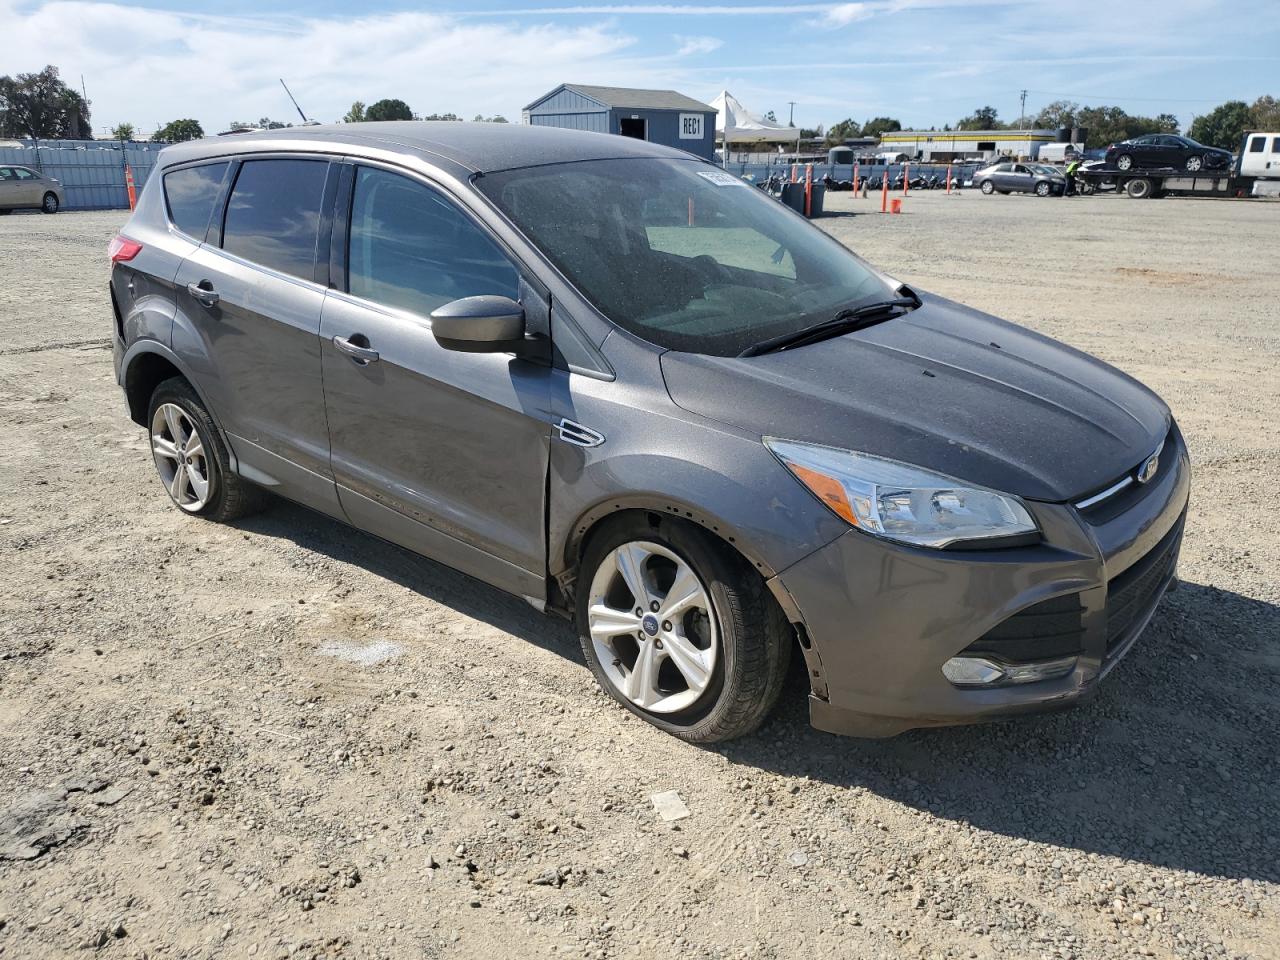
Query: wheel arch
[146, 365]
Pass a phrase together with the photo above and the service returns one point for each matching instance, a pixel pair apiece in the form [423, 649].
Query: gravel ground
[284, 738]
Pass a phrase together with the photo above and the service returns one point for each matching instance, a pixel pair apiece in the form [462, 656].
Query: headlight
[901, 502]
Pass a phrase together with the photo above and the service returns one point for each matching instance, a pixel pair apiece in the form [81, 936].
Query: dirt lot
[285, 738]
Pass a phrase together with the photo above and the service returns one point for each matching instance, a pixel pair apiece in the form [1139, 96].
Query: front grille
[1044, 631]
[1131, 594]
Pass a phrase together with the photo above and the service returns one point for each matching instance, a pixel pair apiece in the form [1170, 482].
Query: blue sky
[925, 62]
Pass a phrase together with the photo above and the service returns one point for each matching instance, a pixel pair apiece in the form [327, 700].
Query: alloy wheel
[1194, 164]
[50, 203]
[180, 457]
[1124, 163]
[652, 627]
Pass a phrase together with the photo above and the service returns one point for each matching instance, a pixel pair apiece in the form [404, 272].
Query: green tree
[496, 118]
[41, 105]
[355, 114]
[984, 118]
[122, 131]
[178, 131]
[1060, 113]
[1266, 113]
[880, 126]
[388, 110]
[439, 116]
[1111, 124]
[846, 129]
[1223, 126]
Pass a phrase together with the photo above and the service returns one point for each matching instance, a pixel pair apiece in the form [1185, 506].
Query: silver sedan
[24, 188]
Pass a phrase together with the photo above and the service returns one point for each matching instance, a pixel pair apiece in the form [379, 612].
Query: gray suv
[614, 380]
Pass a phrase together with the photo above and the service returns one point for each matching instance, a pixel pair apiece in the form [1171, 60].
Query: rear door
[251, 299]
[440, 451]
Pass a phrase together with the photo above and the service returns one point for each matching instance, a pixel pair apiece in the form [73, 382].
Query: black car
[1158, 150]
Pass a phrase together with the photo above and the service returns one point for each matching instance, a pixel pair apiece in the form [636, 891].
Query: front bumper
[879, 619]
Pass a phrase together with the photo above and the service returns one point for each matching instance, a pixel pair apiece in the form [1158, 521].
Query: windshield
[681, 254]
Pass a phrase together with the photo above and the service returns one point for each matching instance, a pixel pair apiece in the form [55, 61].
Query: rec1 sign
[690, 126]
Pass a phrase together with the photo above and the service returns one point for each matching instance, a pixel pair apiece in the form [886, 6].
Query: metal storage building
[943, 145]
[659, 116]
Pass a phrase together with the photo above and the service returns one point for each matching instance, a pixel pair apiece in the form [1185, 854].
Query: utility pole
[791, 118]
[1022, 117]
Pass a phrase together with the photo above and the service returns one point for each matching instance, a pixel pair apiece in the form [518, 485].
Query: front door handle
[203, 292]
[361, 353]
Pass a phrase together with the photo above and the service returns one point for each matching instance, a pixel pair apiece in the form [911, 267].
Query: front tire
[679, 629]
[1042, 189]
[50, 203]
[191, 458]
[1195, 164]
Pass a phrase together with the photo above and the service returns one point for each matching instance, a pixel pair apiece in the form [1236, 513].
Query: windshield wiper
[846, 321]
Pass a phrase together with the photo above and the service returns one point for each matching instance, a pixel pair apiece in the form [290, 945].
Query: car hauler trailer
[1256, 173]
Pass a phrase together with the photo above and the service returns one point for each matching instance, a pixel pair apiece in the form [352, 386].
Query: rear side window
[273, 217]
[1275, 145]
[1257, 144]
[413, 250]
[191, 194]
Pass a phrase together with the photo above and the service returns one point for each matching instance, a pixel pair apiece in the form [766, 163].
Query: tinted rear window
[191, 194]
[273, 217]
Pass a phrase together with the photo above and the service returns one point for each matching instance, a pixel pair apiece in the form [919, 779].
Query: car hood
[946, 388]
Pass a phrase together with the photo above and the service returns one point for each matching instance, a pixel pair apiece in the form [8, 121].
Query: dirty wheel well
[144, 375]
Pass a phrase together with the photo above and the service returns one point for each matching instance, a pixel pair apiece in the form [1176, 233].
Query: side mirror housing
[486, 324]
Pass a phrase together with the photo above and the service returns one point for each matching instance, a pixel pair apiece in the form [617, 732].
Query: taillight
[122, 249]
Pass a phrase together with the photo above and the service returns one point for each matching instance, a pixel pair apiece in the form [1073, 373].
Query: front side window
[1258, 144]
[681, 254]
[24, 174]
[413, 250]
[273, 217]
[191, 194]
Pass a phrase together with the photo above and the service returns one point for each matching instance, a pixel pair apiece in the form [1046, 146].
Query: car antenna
[305, 121]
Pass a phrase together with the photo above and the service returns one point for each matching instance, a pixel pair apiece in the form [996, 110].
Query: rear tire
[747, 637]
[1139, 188]
[174, 414]
[988, 188]
[50, 203]
[1124, 162]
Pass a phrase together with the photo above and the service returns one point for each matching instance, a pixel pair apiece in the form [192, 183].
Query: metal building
[944, 145]
[659, 116]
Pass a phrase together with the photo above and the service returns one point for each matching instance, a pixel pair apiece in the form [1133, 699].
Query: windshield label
[719, 178]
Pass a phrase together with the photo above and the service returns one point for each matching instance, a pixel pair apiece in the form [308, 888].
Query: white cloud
[686, 46]
[844, 14]
[148, 66]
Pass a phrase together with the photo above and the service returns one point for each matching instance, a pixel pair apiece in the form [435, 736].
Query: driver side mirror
[485, 324]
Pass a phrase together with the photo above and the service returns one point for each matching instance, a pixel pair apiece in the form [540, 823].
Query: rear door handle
[355, 351]
[203, 292]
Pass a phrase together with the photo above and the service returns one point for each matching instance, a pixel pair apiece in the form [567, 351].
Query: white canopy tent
[736, 124]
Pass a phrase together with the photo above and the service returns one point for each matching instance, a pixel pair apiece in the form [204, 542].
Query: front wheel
[50, 203]
[1042, 189]
[680, 630]
[988, 187]
[1195, 164]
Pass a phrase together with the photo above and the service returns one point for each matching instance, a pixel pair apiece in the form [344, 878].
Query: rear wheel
[1124, 162]
[1139, 188]
[50, 203]
[680, 630]
[988, 187]
[191, 458]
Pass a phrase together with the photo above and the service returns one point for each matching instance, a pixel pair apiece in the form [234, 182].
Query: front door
[440, 451]
[253, 304]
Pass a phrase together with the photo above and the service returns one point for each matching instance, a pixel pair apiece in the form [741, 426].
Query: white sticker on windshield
[720, 178]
